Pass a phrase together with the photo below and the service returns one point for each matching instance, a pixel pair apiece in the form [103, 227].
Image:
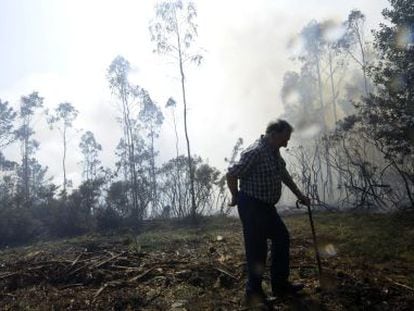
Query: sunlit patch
[333, 31]
[328, 250]
[405, 37]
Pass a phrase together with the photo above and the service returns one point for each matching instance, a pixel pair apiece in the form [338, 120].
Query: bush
[108, 219]
[17, 226]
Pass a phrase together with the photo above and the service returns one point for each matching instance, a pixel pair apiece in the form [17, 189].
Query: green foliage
[388, 113]
[386, 116]
[108, 219]
[17, 226]
[174, 184]
[370, 237]
[7, 117]
[90, 148]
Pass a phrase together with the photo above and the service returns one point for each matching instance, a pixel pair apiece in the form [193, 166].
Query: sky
[62, 49]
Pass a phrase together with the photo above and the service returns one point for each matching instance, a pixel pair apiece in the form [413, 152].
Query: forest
[349, 97]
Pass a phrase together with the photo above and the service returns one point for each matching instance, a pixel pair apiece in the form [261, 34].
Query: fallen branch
[71, 285]
[138, 277]
[226, 273]
[76, 260]
[6, 275]
[400, 284]
[98, 292]
[107, 260]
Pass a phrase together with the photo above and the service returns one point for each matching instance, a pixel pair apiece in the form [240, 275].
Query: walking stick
[315, 244]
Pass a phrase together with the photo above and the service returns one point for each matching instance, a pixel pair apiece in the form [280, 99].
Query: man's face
[281, 139]
[285, 138]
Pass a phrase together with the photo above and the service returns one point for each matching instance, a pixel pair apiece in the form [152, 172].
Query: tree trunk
[189, 160]
[64, 160]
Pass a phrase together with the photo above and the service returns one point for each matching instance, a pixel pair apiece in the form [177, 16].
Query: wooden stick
[107, 260]
[6, 275]
[399, 284]
[76, 260]
[98, 292]
[225, 272]
[138, 277]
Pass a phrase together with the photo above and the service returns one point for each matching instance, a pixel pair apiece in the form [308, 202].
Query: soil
[205, 271]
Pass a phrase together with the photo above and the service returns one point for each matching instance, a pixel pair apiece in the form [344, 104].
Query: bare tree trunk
[179, 194]
[328, 167]
[153, 173]
[64, 161]
[331, 73]
[26, 165]
[189, 160]
[131, 158]
[364, 61]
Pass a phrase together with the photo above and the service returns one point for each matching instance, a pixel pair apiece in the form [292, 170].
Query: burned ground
[181, 267]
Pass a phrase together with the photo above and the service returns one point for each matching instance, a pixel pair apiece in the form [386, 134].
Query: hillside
[368, 263]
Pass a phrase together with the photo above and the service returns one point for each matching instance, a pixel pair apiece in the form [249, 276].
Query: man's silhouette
[261, 171]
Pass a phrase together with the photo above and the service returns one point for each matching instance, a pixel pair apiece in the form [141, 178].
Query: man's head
[278, 133]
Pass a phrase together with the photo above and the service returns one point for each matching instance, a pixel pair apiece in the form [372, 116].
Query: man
[261, 171]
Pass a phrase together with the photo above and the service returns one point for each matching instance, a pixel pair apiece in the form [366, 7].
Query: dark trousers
[261, 222]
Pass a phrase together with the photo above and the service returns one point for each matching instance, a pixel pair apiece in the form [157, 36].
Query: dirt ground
[187, 269]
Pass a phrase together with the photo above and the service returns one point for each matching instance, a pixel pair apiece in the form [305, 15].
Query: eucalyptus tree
[206, 183]
[313, 52]
[132, 149]
[117, 76]
[355, 44]
[90, 149]
[387, 115]
[28, 145]
[174, 32]
[62, 118]
[172, 104]
[152, 118]
[7, 117]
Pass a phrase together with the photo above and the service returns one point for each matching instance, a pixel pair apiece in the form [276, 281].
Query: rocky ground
[179, 267]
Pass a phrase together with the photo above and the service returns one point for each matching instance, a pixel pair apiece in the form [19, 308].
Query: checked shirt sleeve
[247, 161]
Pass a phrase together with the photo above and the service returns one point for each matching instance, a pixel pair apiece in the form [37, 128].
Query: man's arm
[232, 183]
[288, 181]
[239, 169]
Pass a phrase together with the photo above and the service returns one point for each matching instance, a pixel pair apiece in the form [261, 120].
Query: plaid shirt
[261, 171]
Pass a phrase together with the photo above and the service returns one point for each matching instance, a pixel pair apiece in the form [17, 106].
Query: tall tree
[90, 149]
[387, 115]
[7, 117]
[314, 51]
[171, 103]
[152, 118]
[131, 149]
[355, 44]
[62, 119]
[174, 32]
[28, 106]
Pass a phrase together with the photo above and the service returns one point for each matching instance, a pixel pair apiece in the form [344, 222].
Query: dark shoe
[257, 301]
[287, 289]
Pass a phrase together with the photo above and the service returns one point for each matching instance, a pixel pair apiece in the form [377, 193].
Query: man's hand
[233, 201]
[304, 200]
